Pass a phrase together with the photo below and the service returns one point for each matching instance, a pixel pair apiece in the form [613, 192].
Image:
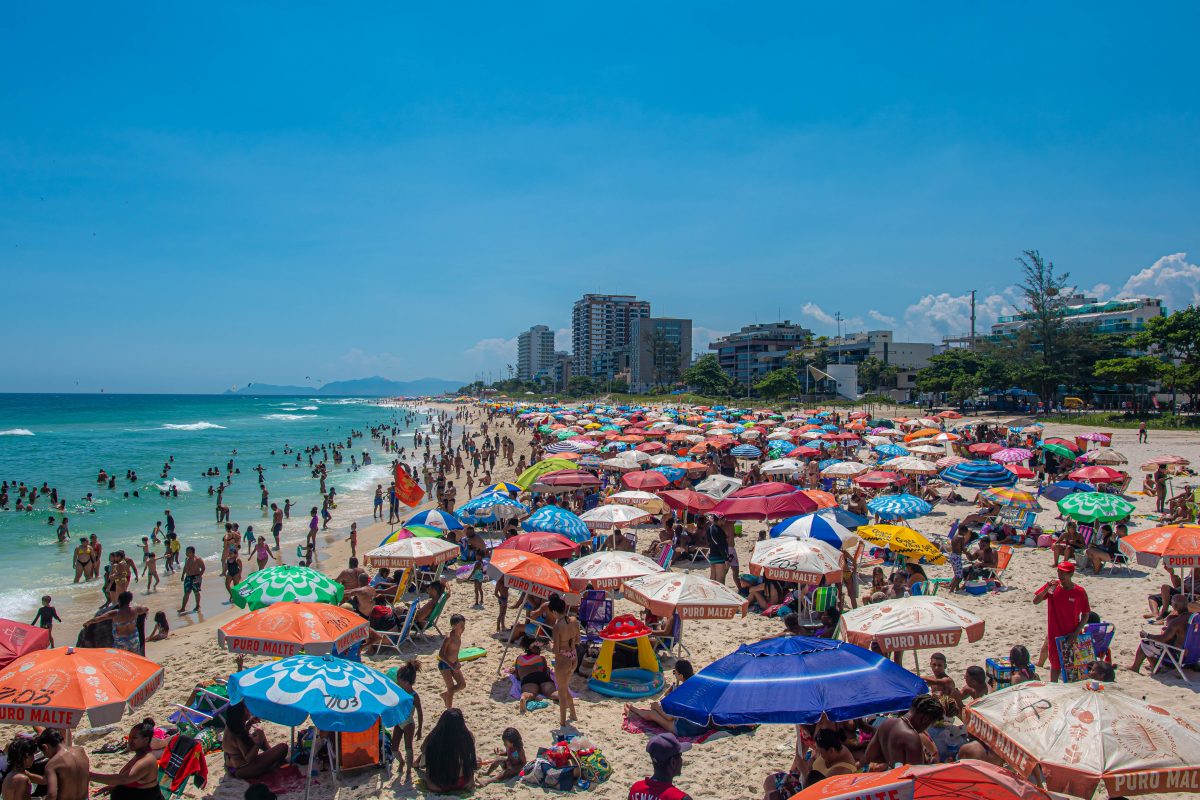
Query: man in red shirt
[666, 754]
[1067, 611]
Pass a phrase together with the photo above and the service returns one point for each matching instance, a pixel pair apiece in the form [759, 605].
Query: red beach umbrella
[17, 639]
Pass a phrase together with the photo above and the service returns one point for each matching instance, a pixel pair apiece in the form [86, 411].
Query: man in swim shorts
[193, 577]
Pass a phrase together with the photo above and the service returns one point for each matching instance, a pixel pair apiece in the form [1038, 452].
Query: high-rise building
[562, 369]
[535, 353]
[750, 353]
[660, 350]
[601, 325]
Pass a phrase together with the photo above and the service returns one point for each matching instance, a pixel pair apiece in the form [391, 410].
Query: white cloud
[1101, 291]
[1173, 278]
[702, 337]
[495, 352]
[814, 311]
[562, 339]
[881, 317]
[938, 315]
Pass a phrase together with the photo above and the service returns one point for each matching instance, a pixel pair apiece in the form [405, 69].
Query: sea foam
[289, 416]
[17, 432]
[182, 486]
[192, 426]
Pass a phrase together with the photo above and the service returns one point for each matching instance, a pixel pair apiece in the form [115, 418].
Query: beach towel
[288, 779]
[514, 690]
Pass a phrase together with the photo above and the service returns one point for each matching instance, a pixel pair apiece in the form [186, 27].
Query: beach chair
[1186, 656]
[432, 621]
[666, 556]
[924, 588]
[595, 611]
[818, 601]
[1004, 554]
[358, 750]
[394, 640]
[181, 760]
[1102, 634]
[205, 707]
[672, 643]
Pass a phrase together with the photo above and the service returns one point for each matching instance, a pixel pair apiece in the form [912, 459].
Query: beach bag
[594, 767]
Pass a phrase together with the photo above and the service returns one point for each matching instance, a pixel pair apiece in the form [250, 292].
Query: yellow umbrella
[902, 540]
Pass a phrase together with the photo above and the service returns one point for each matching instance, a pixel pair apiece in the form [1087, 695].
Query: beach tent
[626, 632]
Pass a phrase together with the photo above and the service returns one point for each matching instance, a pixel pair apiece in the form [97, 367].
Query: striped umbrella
[746, 451]
[502, 487]
[815, 526]
[950, 461]
[490, 507]
[411, 532]
[891, 450]
[979, 475]
[558, 520]
[436, 518]
[562, 447]
[1013, 498]
[286, 583]
[1095, 507]
[1012, 455]
[898, 506]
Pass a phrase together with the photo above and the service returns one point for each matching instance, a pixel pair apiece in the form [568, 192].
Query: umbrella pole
[312, 756]
[509, 640]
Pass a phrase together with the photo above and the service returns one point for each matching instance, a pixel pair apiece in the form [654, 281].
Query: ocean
[65, 440]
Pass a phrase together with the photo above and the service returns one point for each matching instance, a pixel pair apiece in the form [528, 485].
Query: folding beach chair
[1004, 554]
[1102, 636]
[431, 622]
[672, 643]
[395, 640]
[819, 600]
[665, 556]
[205, 707]
[354, 750]
[924, 588]
[1186, 656]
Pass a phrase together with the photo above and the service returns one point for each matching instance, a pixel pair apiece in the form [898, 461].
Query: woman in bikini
[124, 623]
[566, 639]
[533, 673]
[83, 561]
[247, 753]
[138, 779]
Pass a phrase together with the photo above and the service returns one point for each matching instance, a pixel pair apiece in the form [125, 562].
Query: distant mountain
[363, 387]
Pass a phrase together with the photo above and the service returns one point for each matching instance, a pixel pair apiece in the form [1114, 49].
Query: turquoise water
[65, 440]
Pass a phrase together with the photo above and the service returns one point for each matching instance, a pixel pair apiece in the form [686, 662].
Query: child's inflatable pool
[629, 682]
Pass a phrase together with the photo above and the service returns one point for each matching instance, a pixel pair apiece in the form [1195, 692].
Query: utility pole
[838, 316]
[972, 319]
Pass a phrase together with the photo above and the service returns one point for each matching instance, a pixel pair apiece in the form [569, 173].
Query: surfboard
[471, 653]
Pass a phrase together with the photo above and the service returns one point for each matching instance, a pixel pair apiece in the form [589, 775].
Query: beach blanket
[641, 726]
[285, 779]
[514, 689]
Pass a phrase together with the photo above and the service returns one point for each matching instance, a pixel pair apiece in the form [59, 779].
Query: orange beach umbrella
[285, 629]
[963, 779]
[54, 688]
[529, 572]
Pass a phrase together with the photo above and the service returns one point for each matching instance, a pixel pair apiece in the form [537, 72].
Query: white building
[535, 353]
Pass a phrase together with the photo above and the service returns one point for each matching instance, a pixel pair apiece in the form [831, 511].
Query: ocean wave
[182, 486]
[289, 416]
[192, 426]
[17, 432]
[309, 408]
[367, 478]
[19, 602]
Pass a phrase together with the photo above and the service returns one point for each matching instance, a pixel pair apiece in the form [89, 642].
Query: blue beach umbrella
[338, 695]
[503, 488]
[436, 518]
[558, 520]
[794, 680]
[814, 526]
[491, 507]
[898, 506]
[670, 473]
[561, 447]
[847, 519]
[746, 451]
[891, 450]
[979, 475]
[1057, 491]
[829, 462]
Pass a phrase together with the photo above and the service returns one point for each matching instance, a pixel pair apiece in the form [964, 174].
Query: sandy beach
[731, 767]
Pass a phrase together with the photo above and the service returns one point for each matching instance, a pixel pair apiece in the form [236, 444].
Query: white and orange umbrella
[1175, 545]
[910, 623]
[55, 688]
[976, 780]
[285, 629]
[795, 560]
[691, 596]
[415, 552]
[608, 569]
[1087, 733]
[528, 572]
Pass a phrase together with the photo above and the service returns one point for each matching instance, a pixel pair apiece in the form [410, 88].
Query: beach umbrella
[558, 520]
[611, 515]
[564, 481]
[923, 433]
[891, 450]
[902, 540]
[793, 680]
[528, 572]
[542, 543]
[608, 569]
[1170, 461]
[423, 552]
[898, 506]
[803, 451]
[755, 506]
[688, 500]
[979, 475]
[1095, 436]
[822, 498]
[746, 451]
[911, 465]
[337, 694]
[690, 595]
[285, 629]
[491, 507]
[719, 486]
[1013, 498]
[561, 446]
[544, 467]
[844, 469]
[1060, 450]
[818, 527]
[950, 461]
[17, 639]
[664, 460]
[411, 532]
[764, 489]
[647, 501]
[644, 481]
[795, 560]
[55, 688]
[503, 488]
[968, 778]
[1020, 470]
[1097, 474]
[1175, 545]
[985, 448]
[436, 518]
[1087, 733]
[880, 478]
[932, 450]
[621, 464]
[1106, 455]
[1095, 507]
[781, 466]
[285, 583]
[1012, 455]
[910, 623]
[1057, 491]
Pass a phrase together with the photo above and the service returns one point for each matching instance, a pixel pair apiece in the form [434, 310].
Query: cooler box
[1000, 670]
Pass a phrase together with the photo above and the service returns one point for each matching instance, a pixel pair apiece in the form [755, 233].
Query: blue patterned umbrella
[898, 506]
[814, 526]
[338, 695]
[746, 451]
[829, 462]
[979, 475]
[670, 473]
[558, 520]
[436, 518]
[891, 450]
[793, 680]
[561, 447]
[490, 507]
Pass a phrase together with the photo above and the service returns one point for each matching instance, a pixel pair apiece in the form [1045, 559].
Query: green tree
[779, 383]
[707, 377]
[581, 386]
[1136, 371]
[1042, 288]
[1176, 338]
[874, 373]
[962, 373]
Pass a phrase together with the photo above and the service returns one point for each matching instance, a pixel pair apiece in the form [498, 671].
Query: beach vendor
[1067, 611]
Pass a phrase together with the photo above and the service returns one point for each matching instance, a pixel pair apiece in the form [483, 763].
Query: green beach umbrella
[284, 584]
[1058, 450]
[1095, 507]
[526, 478]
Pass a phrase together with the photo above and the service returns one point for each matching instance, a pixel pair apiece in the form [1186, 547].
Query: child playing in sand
[45, 616]
[511, 758]
[406, 675]
[448, 664]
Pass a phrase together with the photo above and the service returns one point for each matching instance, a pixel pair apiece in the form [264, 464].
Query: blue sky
[208, 195]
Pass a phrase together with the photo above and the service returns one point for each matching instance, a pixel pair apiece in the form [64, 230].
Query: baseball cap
[665, 746]
[1066, 567]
